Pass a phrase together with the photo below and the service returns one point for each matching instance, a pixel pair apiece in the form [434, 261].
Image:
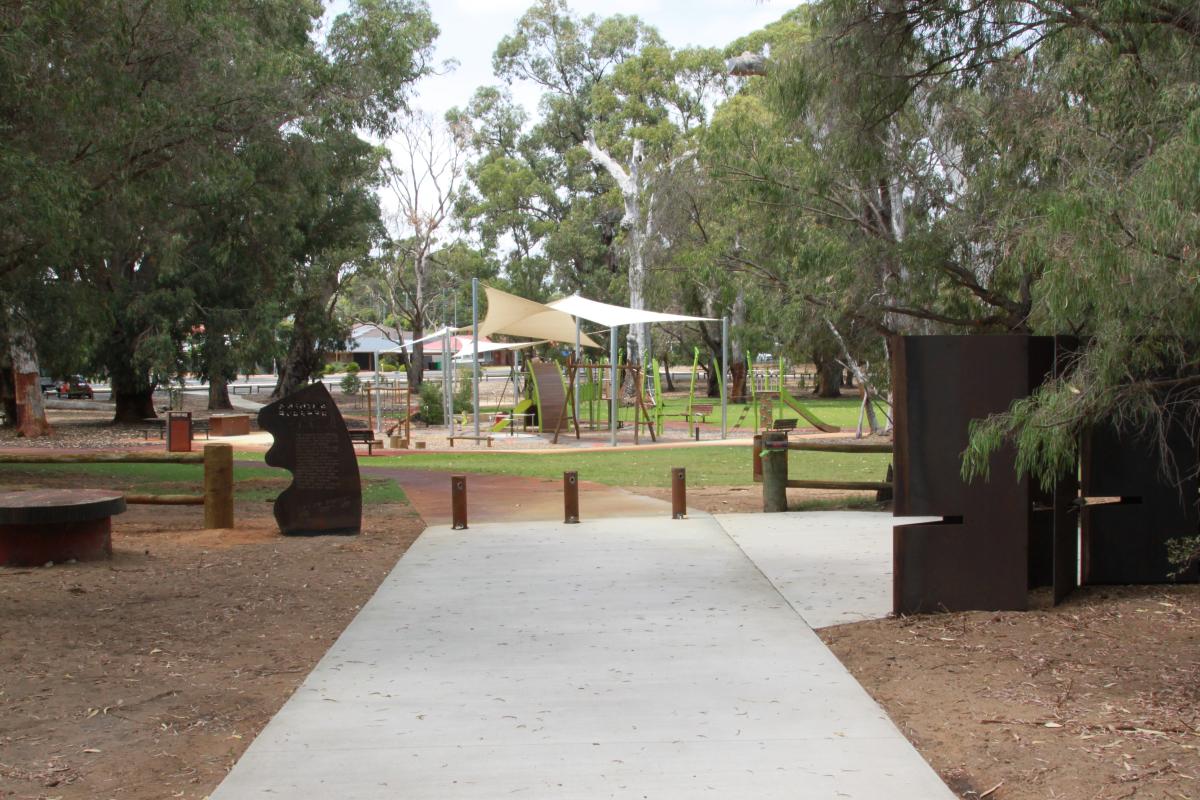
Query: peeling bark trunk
[737, 354]
[27, 387]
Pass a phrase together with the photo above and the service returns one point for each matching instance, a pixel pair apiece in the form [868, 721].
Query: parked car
[76, 386]
[48, 384]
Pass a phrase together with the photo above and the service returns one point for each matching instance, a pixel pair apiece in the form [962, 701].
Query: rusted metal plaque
[311, 441]
[978, 556]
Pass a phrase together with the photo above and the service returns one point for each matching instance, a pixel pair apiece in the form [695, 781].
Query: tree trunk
[218, 394]
[133, 405]
[26, 378]
[666, 365]
[299, 363]
[8, 397]
[216, 356]
[737, 353]
[829, 376]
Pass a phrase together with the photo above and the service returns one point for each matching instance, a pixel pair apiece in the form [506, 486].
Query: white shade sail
[466, 354]
[407, 346]
[611, 316]
[516, 316]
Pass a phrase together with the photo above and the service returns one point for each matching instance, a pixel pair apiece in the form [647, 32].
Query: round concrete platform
[42, 525]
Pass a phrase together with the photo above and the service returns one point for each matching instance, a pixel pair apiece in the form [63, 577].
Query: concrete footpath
[630, 658]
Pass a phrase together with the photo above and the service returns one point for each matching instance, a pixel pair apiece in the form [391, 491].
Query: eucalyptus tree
[617, 110]
[425, 174]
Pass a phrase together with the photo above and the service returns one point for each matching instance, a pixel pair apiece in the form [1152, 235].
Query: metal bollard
[571, 497]
[458, 502]
[678, 493]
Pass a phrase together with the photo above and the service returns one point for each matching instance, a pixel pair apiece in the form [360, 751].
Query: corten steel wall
[979, 555]
[1127, 543]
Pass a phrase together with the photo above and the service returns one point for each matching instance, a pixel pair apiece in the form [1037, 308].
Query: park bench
[158, 426]
[363, 436]
[487, 439]
[699, 412]
[785, 425]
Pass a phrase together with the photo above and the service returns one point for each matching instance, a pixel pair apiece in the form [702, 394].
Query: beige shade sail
[515, 316]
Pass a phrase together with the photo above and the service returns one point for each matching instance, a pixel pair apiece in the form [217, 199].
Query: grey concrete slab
[832, 566]
[639, 658]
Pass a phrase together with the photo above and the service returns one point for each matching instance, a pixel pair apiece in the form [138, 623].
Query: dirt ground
[146, 676]
[1097, 699]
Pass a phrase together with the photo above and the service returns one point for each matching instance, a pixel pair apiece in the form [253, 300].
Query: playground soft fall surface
[147, 676]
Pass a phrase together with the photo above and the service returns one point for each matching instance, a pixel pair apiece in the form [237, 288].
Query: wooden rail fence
[217, 497]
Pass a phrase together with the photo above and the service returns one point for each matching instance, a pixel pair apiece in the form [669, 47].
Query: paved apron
[627, 658]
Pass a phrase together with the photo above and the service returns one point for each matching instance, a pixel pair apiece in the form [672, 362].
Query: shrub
[430, 409]
[463, 395]
[352, 368]
[350, 383]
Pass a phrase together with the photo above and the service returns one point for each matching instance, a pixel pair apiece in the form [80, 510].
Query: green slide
[521, 408]
[791, 402]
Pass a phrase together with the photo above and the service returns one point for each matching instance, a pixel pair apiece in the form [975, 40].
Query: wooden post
[570, 498]
[774, 467]
[757, 458]
[678, 493]
[458, 501]
[370, 416]
[218, 486]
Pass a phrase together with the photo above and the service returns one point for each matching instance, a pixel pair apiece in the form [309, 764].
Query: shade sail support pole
[475, 355]
[724, 379]
[613, 401]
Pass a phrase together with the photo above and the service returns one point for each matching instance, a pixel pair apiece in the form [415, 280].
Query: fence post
[756, 459]
[218, 486]
[775, 470]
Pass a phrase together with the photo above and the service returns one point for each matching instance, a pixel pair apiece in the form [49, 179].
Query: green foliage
[352, 368]
[430, 406]
[167, 168]
[350, 383]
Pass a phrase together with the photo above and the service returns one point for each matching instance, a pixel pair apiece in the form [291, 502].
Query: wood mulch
[1098, 699]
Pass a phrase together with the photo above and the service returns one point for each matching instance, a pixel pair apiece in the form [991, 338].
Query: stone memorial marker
[311, 441]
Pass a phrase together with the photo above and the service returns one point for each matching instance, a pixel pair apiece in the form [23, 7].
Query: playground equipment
[785, 398]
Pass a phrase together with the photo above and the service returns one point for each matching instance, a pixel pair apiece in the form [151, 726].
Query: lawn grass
[717, 465]
[250, 484]
[840, 411]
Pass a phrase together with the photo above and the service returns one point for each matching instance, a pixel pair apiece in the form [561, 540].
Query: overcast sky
[471, 29]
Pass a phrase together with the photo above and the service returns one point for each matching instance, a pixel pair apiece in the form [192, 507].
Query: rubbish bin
[179, 431]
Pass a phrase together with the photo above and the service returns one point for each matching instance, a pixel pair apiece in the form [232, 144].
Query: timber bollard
[757, 460]
[218, 486]
[458, 502]
[678, 493]
[570, 497]
[775, 471]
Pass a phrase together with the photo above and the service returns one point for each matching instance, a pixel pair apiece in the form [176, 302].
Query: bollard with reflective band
[570, 497]
[678, 493]
[458, 501]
